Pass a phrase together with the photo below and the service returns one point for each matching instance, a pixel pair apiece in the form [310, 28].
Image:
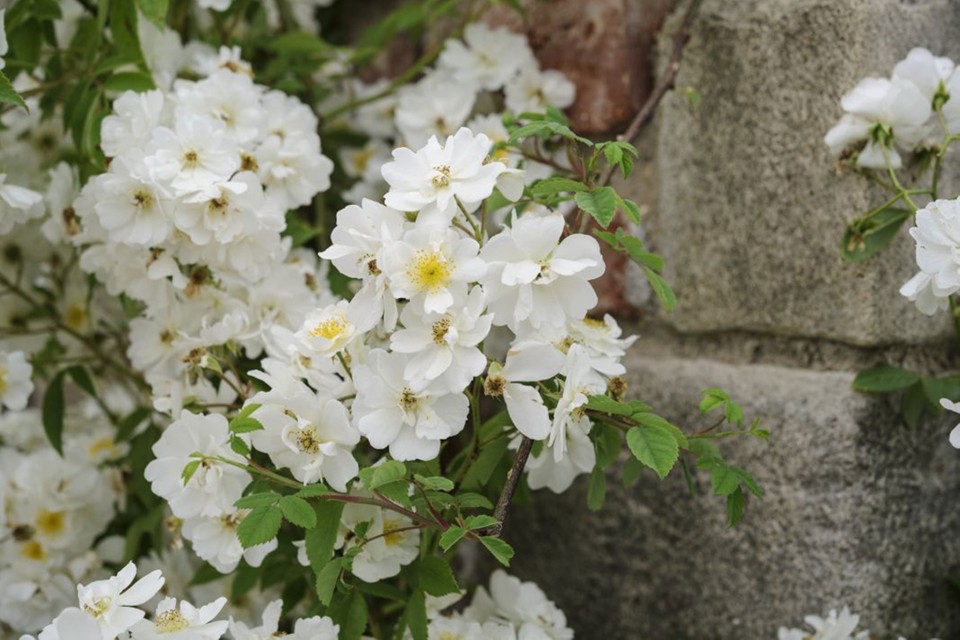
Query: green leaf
[451, 536]
[83, 379]
[600, 203]
[327, 579]
[483, 467]
[884, 379]
[130, 422]
[245, 425]
[9, 94]
[188, 470]
[416, 615]
[434, 483]
[749, 482]
[632, 470]
[129, 81]
[53, 412]
[667, 298]
[499, 548]
[648, 419]
[655, 447]
[712, 398]
[607, 443]
[470, 500]
[154, 10]
[735, 504]
[632, 209]
[261, 525]
[350, 612]
[725, 480]
[480, 522]
[389, 471]
[257, 500]
[607, 404]
[321, 539]
[912, 404]
[298, 511]
[436, 576]
[547, 128]
[557, 184]
[596, 490]
[865, 238]
[313, 491]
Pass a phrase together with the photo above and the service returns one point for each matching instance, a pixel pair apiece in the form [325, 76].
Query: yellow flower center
[217, 206]
[308, 441]
[170, 621]
[99, 607]
[3, 381]
[101, 445]
[448, 635]
[430, 270]
[442, 176]
[392, 537]
[329, 328]
[594, 322]
[191, 159]
[361, 159]
[440, 329]
[142, 199]
[409, 400]
[51, 523]
[33, 550]
[75, 316]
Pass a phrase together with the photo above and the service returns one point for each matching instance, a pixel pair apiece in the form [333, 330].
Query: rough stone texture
[751, 209]
[854, 513]
[605, 47]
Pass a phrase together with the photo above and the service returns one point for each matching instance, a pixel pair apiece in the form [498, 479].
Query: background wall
[748, 209]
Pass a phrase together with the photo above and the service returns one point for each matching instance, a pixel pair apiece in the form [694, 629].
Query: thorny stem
[513, 479]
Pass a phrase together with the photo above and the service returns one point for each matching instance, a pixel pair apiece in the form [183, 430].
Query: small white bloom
[526, 362]
[214, 539]
[131, 124]
[223, 212]
[130, 205]
[16, 384]
[391, 541]
[949, 405]
[436, 175]
[532, 90]
[937, 234]
[71, 624]
[17, 205]
[486, 57]
[327, 331]
[112, 602]
[523, 604]
[197, 154]
[311, 437]
[390, 413]
[883, 113]
[534, 277]
[185, 622]
[214, 486]
[436, 106]
[444, 345]
[836, 626]
[431, 267]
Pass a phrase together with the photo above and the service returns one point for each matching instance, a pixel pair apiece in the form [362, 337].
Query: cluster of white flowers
[475, 79]
[53, 509]
[114, 608]
[886, 116]
[188, 220]
[842, 625]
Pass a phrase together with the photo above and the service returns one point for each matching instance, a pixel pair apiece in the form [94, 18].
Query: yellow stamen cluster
[594, 322]
[142, 199]
[308, 441]
[99, 607]
[170, 621]
[33, 550]
[329, 328]
[191, 159]
[51, 523]
[430, 270]
[442, 176]
[391, 536]
[408, 399]
[440, 329]
[3, 381]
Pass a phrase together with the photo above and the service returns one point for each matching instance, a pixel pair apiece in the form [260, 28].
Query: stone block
[751, 208]
[858, 511]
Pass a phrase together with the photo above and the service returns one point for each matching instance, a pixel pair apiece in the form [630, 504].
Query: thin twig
[665, 83]
[513, 479]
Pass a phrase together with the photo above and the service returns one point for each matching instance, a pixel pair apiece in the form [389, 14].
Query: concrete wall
[748, 209]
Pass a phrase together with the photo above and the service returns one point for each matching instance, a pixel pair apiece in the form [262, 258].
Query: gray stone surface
[858, 511]
[751, 208]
